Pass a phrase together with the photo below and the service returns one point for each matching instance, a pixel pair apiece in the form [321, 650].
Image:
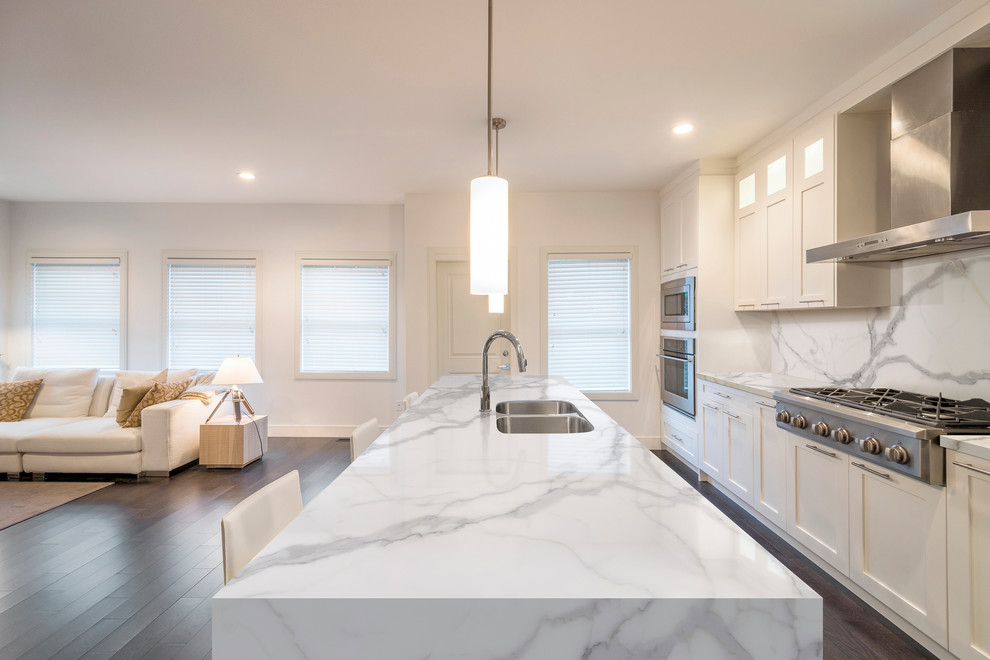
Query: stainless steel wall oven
[677, 374]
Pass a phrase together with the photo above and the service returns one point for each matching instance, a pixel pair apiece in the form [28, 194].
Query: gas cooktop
[970, 416]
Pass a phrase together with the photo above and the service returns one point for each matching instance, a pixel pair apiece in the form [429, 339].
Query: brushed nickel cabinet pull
[863, 467]
[822, 451]
[971, 467]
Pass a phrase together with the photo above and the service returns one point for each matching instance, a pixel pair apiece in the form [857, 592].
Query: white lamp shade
[489, 235]
[237, 371]
[496, 303]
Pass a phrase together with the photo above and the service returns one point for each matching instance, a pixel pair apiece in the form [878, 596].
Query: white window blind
[589, 322]
[211, 311]
[76, 313]
[345, 317]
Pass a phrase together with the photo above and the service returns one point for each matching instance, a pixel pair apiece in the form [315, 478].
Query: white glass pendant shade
[489, 236]
[496, 304]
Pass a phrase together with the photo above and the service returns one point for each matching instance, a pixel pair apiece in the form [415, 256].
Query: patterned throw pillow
[160, 393]
[131, 397]
[15, 398]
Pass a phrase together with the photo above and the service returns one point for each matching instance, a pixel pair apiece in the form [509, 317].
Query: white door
[739, 454]
[969, 556]
[463, 325]
[769, 454]
[712, 441]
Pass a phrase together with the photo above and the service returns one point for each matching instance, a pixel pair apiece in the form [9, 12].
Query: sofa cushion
[159, 393]
[101, 396]
[15, 398]
[11, 432]
[92, 435]
[64, 392]
[127, 379]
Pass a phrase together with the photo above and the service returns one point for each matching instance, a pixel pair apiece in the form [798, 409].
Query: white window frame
[81, 256]
[349, 258]
[218, 258]
[596, 252]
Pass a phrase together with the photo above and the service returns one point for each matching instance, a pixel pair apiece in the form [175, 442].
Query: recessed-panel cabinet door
[779, 264]
[712, 441]
[968, 487]
[690, 207]
[670, 234]
[818, 500]
[749, 255]
[769, 473]
[897, 544]
[739, 454]
[814, 212]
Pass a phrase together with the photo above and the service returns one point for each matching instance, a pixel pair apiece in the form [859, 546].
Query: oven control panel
[887, 451]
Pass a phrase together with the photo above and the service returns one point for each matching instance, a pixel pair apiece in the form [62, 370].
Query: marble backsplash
[936, 339]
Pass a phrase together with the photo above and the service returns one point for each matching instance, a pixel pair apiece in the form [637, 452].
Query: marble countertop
[759, 383]
[972, 445]
[443, 505]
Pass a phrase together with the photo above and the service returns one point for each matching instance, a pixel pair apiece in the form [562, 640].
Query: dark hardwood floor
[128, 571]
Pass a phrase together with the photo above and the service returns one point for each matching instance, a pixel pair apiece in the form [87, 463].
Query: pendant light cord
[490, 154]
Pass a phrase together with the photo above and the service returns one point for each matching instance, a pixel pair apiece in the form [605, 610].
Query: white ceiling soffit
[366, 100]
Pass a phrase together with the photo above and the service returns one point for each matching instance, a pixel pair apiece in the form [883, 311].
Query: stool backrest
[409, 400]
[363, 436]
[251, 524]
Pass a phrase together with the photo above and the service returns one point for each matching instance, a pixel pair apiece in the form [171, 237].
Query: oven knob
[843, 436]
[799, 422]
[821, 428]
[784, 416]
[897, 454]
[870, 445]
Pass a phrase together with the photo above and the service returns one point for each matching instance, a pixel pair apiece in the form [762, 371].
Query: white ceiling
[362, 101]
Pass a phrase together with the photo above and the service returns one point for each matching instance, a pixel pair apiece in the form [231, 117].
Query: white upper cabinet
[679, 213]
[786, 205]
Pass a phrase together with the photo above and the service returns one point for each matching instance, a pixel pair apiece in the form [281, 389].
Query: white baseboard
[289, 431]
[649, 441]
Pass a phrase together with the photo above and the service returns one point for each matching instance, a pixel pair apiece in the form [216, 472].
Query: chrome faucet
[486, 395]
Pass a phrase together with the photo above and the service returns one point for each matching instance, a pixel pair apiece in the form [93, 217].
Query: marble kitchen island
[450, 539]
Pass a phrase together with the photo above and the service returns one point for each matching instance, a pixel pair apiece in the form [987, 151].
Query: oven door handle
[822, 451]
[671, 357]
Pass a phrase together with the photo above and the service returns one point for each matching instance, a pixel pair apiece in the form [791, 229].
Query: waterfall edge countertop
[447, 538]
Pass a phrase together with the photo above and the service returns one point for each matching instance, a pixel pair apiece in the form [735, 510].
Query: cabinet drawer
[726, 398]
[680, 438]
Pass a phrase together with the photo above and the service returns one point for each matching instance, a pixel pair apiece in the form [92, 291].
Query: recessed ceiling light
[247, 176]
[681, 129]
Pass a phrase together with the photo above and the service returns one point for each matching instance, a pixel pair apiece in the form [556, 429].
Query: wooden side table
[225, 443]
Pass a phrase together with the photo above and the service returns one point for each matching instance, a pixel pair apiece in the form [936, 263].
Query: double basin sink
[540, 416]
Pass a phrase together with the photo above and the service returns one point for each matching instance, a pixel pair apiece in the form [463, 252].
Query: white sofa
[168, 438]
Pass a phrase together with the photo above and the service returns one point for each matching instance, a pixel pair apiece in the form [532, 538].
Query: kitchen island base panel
[517, 628]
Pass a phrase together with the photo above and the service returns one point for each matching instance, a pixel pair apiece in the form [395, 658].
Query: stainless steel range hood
[939, 164]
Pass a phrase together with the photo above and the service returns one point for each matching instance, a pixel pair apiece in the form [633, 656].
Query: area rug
[20, 500]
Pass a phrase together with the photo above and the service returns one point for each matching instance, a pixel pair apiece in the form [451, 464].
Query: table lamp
[236, 371]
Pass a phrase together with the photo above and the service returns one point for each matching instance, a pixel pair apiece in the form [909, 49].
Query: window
[589, 323]
[211, 311]
[77, 317]
[346, 317]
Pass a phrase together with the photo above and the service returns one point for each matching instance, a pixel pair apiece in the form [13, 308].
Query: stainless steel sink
[535, 407]
[543, 424]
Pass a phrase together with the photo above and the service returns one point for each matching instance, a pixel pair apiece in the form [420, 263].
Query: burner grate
[928, 410]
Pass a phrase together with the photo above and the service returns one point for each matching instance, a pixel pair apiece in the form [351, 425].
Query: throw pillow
[16, 397]
[64, 392]
[179, 376]
[127, 379]
[204, 379]
[130, 398]
[159, 393]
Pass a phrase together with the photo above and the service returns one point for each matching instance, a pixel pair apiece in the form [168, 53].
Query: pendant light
[490, 211]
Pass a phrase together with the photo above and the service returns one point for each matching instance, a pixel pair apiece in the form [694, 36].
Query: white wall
[537, 220]
[145, 231]
[4, 283]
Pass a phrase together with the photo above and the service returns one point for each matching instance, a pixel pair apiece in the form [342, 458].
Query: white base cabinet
[769, 456]
[968, 480]
[727, 439]
[680, 436]
[818, 500]
[897, 542]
